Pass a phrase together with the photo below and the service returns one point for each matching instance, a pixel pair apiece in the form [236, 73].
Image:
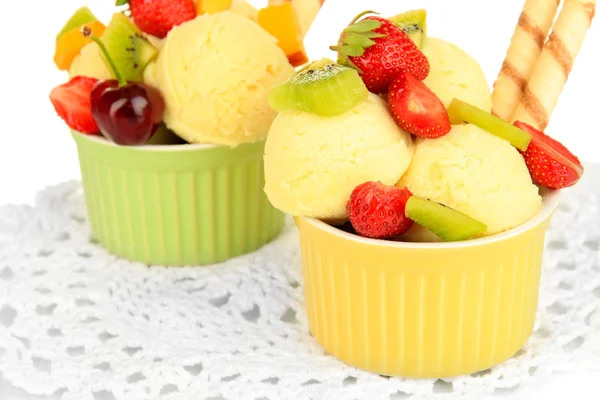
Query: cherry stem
[87, 32]
[362, 14]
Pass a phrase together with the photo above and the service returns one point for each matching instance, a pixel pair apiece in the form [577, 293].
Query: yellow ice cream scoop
[215, 73]
[312, 162]
[476, 173]
[90, 63]
[454, 73]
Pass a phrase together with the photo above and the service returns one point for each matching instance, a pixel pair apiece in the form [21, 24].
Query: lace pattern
[79, 322]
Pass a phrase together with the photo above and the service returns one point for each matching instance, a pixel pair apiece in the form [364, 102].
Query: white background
[36, 149]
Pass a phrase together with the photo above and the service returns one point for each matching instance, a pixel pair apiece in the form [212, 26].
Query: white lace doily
[77, 321]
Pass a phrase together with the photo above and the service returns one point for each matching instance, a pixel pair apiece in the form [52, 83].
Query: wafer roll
[552, 68]
[526, 45]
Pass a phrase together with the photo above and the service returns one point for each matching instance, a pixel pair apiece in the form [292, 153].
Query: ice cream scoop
[312, 162]
[454, 73]
[215, 73]
[476, 173]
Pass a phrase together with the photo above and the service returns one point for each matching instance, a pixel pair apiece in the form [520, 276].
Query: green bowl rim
[160, 147]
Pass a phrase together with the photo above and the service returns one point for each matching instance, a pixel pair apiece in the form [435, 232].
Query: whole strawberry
[550, 163]
[379, 51]
[377, 211]
[158, 17]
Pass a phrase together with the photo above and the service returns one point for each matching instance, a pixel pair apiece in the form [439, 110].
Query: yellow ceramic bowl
[423, 309]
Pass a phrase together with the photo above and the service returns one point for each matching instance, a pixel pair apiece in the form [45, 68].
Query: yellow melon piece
[244, 8]
[307, 11]
[282, 23]
[70, 44]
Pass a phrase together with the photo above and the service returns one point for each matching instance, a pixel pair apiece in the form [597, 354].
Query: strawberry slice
[377, 211]
[416, 108]
[72, 102]
[550, 163]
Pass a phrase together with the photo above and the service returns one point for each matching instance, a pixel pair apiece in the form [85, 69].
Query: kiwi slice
[459, 112]
[130, 51]
[448, 224]
[80, 17]
[414, 23]
[323, 88]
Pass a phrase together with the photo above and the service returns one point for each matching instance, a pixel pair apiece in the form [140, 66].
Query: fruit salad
[178, 71]
[395, 140]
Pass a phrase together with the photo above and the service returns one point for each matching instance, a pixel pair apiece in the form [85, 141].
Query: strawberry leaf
[360, 40]
[366, 25]
[373, 35]
[121, 2]
[353, 50]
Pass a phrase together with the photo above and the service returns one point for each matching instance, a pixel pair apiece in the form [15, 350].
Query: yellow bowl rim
[159, 147]
[551, 199]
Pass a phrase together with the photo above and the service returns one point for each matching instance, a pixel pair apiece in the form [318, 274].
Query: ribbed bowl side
[197, 212]
[421, 312]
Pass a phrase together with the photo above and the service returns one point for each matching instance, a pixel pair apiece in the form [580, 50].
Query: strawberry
[158, 17]
[72, 102]
[416, 108]
[550, 163]
[377, 211]
[379, 50]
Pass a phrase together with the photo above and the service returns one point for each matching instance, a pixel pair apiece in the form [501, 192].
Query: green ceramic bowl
[176, 204]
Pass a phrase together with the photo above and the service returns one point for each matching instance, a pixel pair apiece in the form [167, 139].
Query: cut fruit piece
[377, 211]
[244, 8]
[459, 112]
[70, 44]
[282, 23]
[307, 11]
[159, 17]
[448, 224]
[130, 51]
[72, 102]
[416, 109]
[80, 17]
[323, 88]
[414, 23]
[550, 163]
[212, 6]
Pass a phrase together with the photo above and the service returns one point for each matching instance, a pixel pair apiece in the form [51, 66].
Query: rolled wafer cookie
[525, 47]
[554, 64]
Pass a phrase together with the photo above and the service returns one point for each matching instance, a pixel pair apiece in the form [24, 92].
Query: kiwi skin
[414, 23]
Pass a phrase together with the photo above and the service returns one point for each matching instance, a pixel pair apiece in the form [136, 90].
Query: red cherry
[128, 114]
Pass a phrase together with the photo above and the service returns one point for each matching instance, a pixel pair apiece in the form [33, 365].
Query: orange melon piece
[212, 6]
[281, 22]
[70, 44]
